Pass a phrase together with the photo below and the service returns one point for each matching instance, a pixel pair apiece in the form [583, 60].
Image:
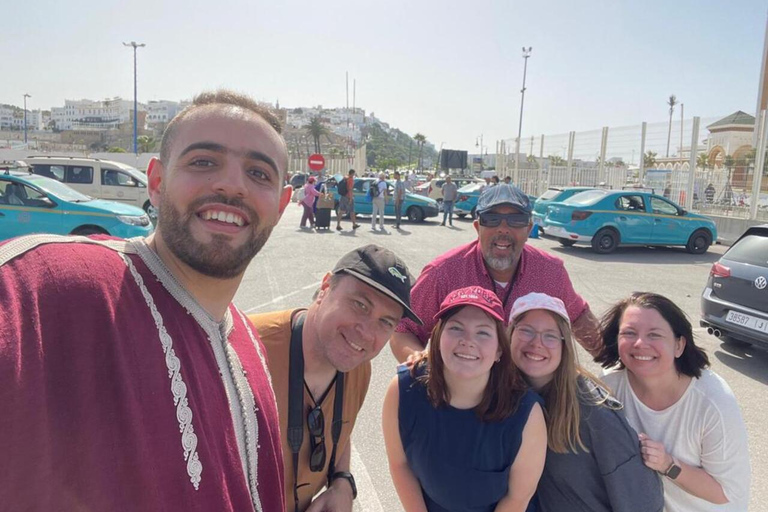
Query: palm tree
[556, 161]
[420, 140]
[672, 101]
[316, 129]
[649, 159]
[702, 161]
[147, 143]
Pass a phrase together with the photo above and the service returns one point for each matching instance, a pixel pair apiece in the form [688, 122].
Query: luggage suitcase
[323, 218]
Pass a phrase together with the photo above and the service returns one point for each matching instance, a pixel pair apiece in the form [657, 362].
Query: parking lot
[289, 269]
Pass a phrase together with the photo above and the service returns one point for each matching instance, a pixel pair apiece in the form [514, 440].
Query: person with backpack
[345, 188]
[378, 194]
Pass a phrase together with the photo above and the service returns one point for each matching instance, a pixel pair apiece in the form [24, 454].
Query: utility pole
[25, 116]
[135, 45]
[526, 54]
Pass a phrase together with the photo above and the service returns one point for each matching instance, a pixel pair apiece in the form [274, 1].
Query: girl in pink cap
[593, 457]
[462, 431]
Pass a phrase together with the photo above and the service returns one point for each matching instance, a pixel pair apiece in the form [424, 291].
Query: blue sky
[451, 70]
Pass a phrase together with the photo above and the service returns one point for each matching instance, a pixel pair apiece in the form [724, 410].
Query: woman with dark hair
[691, 429]
[462, 431]
[593, 456]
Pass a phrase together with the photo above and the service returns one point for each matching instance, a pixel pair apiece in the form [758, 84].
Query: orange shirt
[275, 333]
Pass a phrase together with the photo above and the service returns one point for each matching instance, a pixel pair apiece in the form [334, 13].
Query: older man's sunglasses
[513, 220]
[316, 427]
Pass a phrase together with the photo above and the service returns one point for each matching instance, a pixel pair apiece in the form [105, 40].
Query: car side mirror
[683, 212]
[47, 202]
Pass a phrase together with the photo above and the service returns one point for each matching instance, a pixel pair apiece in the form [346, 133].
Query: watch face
[674, 471]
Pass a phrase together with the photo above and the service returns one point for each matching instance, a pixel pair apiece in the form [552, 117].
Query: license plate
[748, 321]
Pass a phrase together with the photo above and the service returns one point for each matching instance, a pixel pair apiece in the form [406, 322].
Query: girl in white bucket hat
[593, 455]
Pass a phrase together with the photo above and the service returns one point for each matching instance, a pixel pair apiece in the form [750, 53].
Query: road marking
[283, 297]
[367, 498]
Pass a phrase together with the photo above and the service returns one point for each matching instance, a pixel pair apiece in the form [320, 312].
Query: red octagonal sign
[316, 162]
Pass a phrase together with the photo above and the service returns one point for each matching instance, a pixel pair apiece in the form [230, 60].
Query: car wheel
[473, 213]
[565, 242]
[699, 242]
[151, 210]
[605, 241]
[415, 214]
[461, 215]
[89, 230]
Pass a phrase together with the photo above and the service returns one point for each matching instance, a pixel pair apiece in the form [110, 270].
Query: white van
[101, 179]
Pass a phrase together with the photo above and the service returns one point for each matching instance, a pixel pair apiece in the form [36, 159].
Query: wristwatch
[349, 478]
[673, 471]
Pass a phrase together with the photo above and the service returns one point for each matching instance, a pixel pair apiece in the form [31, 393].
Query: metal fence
[657, 156]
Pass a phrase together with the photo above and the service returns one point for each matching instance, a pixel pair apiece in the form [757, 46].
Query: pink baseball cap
[473, 296]
[539, 301]
[311, 179]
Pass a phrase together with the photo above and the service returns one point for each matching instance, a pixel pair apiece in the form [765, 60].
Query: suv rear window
[752, 249]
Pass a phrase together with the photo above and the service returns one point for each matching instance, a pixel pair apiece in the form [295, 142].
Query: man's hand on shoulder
[338, 498]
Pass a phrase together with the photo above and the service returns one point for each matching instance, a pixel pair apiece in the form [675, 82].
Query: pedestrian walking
[308, 202]
[378, 194]
[346, 190]
[399, 197]
[450, 194]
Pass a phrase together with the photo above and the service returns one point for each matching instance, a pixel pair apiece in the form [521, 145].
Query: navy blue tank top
[462, 463]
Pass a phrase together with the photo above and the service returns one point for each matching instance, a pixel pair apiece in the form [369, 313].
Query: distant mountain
[383, 148]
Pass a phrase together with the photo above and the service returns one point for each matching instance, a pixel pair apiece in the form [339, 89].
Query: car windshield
[472, 187]
[59, 189]
[135, 173]
[549, 194]
[752, 249]
[585, 198]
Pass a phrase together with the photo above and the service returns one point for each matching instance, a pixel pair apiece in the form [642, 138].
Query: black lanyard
[296, 407]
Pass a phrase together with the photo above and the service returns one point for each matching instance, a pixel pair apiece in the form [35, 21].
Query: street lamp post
[135, 45]
[25, 116]
[480, 144]
[526, 54]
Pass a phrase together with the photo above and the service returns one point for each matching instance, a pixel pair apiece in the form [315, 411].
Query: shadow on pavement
[748, 360]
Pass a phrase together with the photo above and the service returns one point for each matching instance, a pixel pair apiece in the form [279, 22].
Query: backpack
[341, 187]
[374, 191]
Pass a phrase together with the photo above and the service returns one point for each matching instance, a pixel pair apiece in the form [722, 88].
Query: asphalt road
[290, 267]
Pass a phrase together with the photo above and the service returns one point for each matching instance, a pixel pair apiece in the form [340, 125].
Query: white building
[93, 115]
[162, 111]
[13, 119]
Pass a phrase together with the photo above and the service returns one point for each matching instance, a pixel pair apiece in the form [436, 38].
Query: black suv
[734, 305]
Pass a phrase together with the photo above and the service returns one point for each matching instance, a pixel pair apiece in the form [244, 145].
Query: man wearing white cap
[499, 260]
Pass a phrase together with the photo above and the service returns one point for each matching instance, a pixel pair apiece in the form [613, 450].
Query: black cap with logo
[383, 270]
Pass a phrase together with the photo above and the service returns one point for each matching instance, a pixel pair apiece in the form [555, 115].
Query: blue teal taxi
[30, 203]
[415, 207]
[606, 219]
[553, 195]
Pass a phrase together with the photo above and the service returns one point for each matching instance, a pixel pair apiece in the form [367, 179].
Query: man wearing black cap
[499, 260]
[319, 359]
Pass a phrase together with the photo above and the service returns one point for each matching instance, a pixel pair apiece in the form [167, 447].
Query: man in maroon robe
[128, 380]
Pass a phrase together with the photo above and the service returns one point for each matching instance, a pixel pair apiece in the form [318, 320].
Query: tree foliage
[316, 129]
[649, 159]
[382, 145]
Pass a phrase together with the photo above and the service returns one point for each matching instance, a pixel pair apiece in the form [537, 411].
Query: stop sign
[316, 162]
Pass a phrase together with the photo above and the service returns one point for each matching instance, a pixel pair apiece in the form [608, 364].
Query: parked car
[101, 179]
[609, 218]
[30, 203]
[434, 189]
[552, 195]
[466, 203]
[734, 304]
[415, 207]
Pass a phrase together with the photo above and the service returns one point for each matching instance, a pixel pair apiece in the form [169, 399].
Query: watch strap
[346, 475]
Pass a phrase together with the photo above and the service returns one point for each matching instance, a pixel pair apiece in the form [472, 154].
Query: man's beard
[501, 264]
[216, 258]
